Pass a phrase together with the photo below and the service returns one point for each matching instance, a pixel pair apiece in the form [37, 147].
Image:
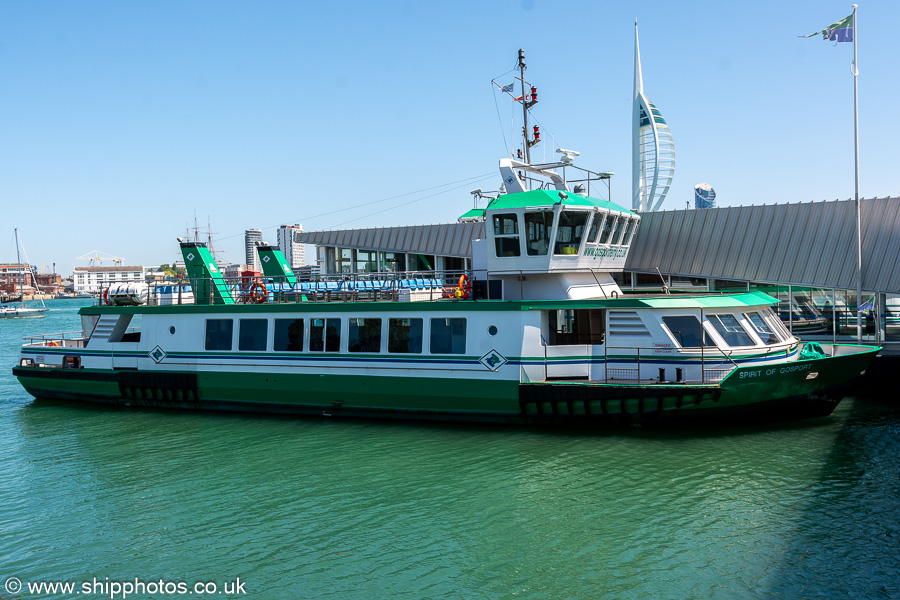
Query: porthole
[172, 330]
[492, 330]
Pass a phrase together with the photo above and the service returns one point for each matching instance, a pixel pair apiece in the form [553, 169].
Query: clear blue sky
[119, 120]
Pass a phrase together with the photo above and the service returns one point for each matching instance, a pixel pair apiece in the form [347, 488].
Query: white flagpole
[855, 72]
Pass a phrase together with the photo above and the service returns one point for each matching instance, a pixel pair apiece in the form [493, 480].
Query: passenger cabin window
[569, 231]
[218, 334]
[252, 334]
[765, 333]
[324, 335]
[448, 336]
[687, 331]
[288, 335]
[607, 229]
[731, 330]
[506, 235]
[577, 327]
[537, 231]
[364, 335]
[777, 325]
[405, 336]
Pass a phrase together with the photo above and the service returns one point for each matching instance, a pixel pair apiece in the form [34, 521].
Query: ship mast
[524, 108]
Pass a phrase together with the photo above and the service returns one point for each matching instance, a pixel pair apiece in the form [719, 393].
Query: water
[302, 508]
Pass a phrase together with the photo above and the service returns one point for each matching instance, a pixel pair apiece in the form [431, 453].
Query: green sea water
[314, 508]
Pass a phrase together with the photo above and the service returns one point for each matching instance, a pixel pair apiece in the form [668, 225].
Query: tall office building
[251, 236]
[704, 196]
[291, 246]
[652, 147]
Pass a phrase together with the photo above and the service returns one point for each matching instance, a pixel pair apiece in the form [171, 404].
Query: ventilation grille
[626, 322]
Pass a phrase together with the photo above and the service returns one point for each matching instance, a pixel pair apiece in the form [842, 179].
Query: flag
[507, 88]
[839, 31]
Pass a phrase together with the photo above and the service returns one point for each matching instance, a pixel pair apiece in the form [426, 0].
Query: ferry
[537, 332]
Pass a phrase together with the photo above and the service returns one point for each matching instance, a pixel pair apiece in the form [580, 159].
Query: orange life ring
[258, 293]
[464, 287]
[54, 344]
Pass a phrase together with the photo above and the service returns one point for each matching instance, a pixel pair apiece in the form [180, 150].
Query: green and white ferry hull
[545, 335]
[499, 368]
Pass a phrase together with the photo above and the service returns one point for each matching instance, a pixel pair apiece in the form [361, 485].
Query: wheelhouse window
[630, 234]
[324, 335]
[569, 231]
[731, 330]
[252, 334]
[448, 336]
[219, 333]
[615, 237]
[405, 336]
[538, 226]
[506, 235]
[364, 335]
[687, 331]
[626, 233]
[599, 218]
[608, 225]
[288, 336]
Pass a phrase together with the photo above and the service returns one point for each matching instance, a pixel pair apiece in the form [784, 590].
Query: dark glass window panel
[405, 336]
[448, 336]
[288, 336]
[218, 334]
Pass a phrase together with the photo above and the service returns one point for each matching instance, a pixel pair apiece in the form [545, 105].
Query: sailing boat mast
[19, 269]
[22, 279]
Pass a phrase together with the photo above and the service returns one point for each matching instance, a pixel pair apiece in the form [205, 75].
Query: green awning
[547, 198]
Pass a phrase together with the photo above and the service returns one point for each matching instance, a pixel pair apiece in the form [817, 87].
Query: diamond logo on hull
[157, 354]
[493, 360]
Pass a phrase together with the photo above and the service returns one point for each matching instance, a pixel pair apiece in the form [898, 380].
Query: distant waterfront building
[251, 236]
[291, 245]
[652, 147]
[93, 280]
[233, 271]
[704, 196]
[13, 276]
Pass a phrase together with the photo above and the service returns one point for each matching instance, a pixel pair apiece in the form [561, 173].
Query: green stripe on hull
[363, 392]
[311, 391]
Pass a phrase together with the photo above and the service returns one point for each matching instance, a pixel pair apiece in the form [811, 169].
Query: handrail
[372, 286]
[60, 336]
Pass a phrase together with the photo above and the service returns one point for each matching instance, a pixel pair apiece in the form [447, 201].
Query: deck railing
[338, 287]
